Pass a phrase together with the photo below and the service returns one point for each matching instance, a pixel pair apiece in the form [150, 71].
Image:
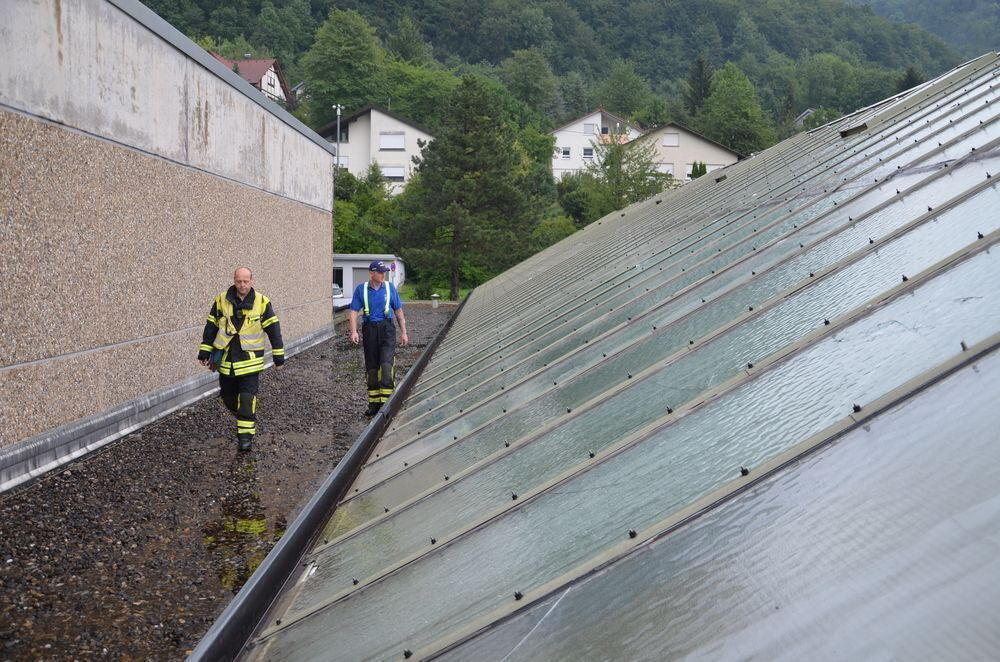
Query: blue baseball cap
[378, 265]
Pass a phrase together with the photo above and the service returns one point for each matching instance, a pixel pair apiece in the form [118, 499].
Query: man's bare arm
[352, 318]
[402, 326]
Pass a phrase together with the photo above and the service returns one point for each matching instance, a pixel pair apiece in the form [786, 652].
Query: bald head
[242, 281]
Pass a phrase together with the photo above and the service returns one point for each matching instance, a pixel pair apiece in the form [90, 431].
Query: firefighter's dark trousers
[379, 341]
[240, 396]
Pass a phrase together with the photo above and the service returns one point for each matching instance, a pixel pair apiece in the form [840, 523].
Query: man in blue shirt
[378, 301]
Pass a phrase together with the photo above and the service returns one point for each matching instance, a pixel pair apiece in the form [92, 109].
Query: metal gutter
[235, 627]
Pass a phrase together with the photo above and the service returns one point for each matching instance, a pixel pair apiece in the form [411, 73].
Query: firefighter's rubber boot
[246, 441]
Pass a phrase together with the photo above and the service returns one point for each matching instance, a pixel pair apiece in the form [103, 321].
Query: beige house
[576, 141]
[677, 148]
[376, 135]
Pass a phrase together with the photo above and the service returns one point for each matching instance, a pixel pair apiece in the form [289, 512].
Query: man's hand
[203, 361]
[354, 336]
[406, 339]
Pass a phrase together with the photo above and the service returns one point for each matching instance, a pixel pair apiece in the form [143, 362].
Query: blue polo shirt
[376, 301]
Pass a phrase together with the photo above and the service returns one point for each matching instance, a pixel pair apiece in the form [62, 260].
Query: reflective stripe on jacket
[251, 332]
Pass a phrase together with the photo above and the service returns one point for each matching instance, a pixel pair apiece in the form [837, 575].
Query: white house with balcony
[676, 148]
[376, 135]
[576, 142]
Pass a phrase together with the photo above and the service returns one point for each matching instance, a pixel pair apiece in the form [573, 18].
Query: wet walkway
[133, 552]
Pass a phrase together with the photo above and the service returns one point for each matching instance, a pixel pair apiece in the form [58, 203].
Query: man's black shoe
[373, 408]
[245, 444]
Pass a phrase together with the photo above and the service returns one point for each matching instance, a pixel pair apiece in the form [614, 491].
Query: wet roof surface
[692, 427]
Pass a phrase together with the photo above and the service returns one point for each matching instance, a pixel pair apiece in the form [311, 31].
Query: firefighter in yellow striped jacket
[233, 344]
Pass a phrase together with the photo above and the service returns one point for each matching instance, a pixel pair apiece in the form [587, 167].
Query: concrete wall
[133, 178]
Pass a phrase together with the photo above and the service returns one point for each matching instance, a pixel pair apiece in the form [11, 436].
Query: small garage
[351, 269]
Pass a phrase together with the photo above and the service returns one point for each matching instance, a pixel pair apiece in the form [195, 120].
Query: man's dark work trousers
[240, 396]
[379, 340]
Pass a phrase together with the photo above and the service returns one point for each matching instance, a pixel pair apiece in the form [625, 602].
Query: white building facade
[677, 148]
[375, 135]
[272, 86]
[576, 142]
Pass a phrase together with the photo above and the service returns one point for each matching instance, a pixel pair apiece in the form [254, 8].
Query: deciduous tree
[732, 114]
[344, 65]
[622, 173]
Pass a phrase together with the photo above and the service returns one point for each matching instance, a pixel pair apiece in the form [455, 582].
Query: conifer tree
[699, 85]
[407, 42]
[911, 78]
[468, 211]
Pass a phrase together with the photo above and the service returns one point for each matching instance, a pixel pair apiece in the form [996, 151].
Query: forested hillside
[490, 79]
[971, 26]
[798, 54]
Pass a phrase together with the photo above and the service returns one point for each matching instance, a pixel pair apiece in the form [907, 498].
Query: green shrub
[423, 290]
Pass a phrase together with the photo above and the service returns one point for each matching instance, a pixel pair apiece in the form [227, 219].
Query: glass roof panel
[535, 440]
[470, 499]
[668, 469]
[911, 504]
[453, 400]
[541, 391]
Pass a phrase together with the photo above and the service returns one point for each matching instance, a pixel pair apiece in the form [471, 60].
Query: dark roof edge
[175, 38]
[693, 132]
[601, 109]
[327, 128]
[236, 626]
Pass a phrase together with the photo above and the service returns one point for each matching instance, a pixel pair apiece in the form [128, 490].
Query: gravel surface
[131, 553]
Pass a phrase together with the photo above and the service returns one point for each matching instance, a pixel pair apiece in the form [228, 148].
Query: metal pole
[333, 189]
[336, 163]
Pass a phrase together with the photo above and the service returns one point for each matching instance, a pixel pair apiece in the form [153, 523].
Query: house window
[590, 129]
[342, 161]
[270, 82]
[713, 166]
[588, 152]
[565, 152]
[338, 276]
[344, 134]
[665, 168]
[395, 141]
[605, 131]
[671, 140]
[689, 167]
[393, 173]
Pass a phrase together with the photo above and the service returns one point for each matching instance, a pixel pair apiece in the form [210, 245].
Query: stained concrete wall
[133, 178]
